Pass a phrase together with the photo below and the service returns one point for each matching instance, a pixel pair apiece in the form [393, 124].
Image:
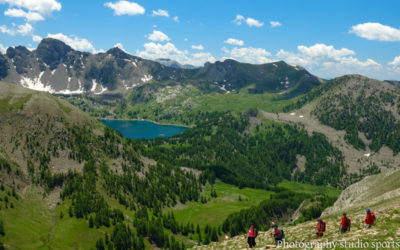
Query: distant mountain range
[394, 83]
[174, 64]
[57, 68]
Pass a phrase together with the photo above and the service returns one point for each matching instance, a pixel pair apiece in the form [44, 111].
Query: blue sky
[329, 38]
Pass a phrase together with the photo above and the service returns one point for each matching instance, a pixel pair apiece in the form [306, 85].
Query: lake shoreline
[147, 120]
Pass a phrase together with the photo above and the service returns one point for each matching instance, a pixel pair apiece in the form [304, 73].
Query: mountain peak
[54, 43]
[12, 51]
[118, 53]
[52, 51]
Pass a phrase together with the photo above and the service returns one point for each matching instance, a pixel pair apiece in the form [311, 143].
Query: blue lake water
[143, 129]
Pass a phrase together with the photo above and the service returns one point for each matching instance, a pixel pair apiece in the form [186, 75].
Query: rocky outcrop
[370, 190]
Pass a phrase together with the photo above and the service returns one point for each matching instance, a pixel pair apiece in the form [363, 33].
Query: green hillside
[89, 187]
[358, 104]
[177, 103]
[79, 177]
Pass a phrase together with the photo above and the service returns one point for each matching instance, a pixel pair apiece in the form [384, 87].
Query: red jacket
[344, 226]
[370, 218]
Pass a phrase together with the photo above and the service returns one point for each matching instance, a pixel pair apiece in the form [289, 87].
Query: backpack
[347, 223]
[373, 217]
[323, 226]
[283, 233]
[255, 232]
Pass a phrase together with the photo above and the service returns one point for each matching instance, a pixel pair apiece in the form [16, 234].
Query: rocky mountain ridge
[57, 68]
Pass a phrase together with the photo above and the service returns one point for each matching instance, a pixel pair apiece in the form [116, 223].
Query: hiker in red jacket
[345, 224]
[251, 236]
[369, 219]
[321, 227]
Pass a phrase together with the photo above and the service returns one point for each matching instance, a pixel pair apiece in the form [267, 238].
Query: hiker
[251, 236]
[321, 226]
[278, 234]
[369, 219]
[345, 224]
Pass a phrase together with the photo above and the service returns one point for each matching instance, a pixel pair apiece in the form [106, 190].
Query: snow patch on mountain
[35, 83]
[146, 78]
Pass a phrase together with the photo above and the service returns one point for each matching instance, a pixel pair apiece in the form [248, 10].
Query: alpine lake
[138, 129]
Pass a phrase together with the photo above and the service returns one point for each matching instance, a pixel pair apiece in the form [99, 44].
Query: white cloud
[160, 12]
[248, 55]
[376, 31]
[3, 49]
[44, 7]
[249, 21]
[234, 41]
[201, 58]
[275, 24]
[158, 36]
[29, 16]
[326, 61]
[75, 42]
[198, 47]
[253, 22]
[36, 38]
[176, 18]
[125, 8]
[157, 50]
[395, 63]
[23, 29]
[238, 20]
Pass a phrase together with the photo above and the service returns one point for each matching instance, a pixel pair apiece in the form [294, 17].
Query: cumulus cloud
[75, 42]
[275, 24]
[376, 31]
[327, 61]
[125, 8]
[160, 12]
[234, 41]
[23, 29]
[157, 50]
[253, 22]
[43, 7]
[29, 16]
[249, 21]
[248, 55]
[198, 47]
[395, 63]
[158, 36]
